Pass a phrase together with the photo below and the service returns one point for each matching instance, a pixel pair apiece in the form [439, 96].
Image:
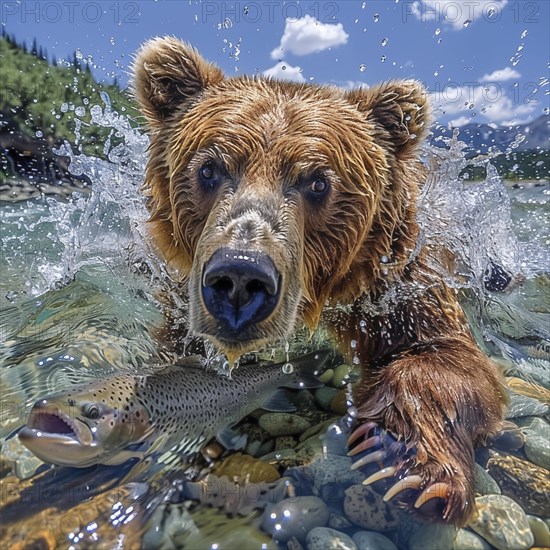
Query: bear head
[272, 198]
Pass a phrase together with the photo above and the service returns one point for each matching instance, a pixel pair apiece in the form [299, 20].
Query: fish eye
[91, 411]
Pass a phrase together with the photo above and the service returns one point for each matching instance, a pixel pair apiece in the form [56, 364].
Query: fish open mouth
[49, 423]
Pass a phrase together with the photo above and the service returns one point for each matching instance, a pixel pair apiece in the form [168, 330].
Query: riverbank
[21, 190]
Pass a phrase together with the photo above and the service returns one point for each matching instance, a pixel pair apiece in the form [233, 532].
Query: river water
[79, 291]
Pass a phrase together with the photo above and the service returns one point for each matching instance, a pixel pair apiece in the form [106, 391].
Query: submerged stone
[537, 444]
[467, 540]
[502, 523]
[329, 539]
[294, 517]
[540, 532]
[523, 481]
[370, 540]
[530, 389]
[521, 405]
[484, 483]
[365, 508]
[433, 537]
[247, 468]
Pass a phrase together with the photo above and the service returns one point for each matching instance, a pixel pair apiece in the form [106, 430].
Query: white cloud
[488, 101]
[459, 14]
[307, 35]
[283, 71]
[460, 121]
[500, 75]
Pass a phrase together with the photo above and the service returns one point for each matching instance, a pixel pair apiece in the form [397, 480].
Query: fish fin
[231, 439]
[14, 433]
[278, 401]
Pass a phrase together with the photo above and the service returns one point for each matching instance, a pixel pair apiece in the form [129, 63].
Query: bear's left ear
[401, 108]
[166, 72]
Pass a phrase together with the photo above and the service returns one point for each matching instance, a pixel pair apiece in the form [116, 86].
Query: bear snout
[239, 288]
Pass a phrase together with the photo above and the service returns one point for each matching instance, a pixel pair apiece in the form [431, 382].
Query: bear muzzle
[239, 288]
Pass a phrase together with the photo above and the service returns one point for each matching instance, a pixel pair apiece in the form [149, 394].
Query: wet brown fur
[424, 378]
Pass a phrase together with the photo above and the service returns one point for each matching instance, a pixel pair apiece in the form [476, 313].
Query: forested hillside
[38, 100]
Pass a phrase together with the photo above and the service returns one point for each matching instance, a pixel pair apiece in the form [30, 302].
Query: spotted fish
[178, 407]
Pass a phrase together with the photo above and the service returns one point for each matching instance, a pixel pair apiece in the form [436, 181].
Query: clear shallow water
[79, 300]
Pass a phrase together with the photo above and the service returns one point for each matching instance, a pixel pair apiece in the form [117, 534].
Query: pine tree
[34, 50]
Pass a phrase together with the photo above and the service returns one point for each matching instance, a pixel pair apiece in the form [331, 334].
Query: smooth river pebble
[502, 523]
[294, 517]
[370, 540]
[328, 539]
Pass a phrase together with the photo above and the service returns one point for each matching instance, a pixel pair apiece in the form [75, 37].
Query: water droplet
[466, 23]
[524, 33]
[283, 68]
[437, 31]
[288, 368]
[39, 134]
[352, 411]
[384, 41]
[363, 5]
[112, 40]
[12, 295]
[376, 17]
[227, 23]
[362, 67]
[383, 58]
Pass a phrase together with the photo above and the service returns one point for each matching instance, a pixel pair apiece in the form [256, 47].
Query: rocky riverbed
[291, 487]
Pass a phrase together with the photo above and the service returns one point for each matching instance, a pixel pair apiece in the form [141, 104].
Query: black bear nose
[240, 288]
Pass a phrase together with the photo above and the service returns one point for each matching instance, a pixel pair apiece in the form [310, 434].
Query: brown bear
[283, 204]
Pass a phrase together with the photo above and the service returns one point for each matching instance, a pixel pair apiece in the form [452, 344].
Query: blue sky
[482, 60]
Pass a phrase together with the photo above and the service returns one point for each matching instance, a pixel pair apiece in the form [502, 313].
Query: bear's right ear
[167, 72]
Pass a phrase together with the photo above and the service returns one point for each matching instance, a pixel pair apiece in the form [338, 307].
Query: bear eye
[209, 175]
[317, 186]
[91, 411]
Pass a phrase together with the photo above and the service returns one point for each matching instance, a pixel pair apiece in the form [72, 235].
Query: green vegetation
[533, 164]
[38, 98]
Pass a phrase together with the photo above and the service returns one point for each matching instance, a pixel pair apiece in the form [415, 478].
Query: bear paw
[438, 492]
